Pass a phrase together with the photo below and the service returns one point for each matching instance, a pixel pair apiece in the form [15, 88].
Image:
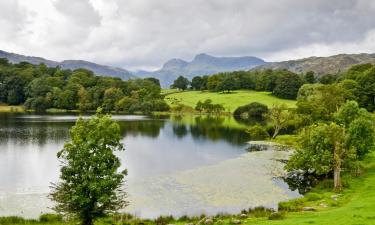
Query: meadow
[230, 101]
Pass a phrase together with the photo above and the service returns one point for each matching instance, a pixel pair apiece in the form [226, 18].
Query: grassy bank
[355, 205]
[230, 101]
[11, 108]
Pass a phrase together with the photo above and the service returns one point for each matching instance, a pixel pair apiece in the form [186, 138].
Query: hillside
[202, 64]
[321, 65]
[230, 101]
[69, 64]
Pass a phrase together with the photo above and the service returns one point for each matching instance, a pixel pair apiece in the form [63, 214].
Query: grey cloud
[145, 33]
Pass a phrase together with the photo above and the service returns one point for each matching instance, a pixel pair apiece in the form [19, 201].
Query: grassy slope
[356, 205]
[230, 101]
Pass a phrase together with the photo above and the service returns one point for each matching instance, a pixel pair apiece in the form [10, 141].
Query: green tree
[111, 97]
[197, 83]
[181, 83]
[321, 150]
[279, 116]
[227, 84]
[90, 185]
[310, 77]
[252, 110]
[287, 85]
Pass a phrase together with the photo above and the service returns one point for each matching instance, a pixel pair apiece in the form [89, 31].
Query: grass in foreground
[354, 206]
[230, 101]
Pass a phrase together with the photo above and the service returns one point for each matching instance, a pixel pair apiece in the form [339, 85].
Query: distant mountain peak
[174, 64]
[202, 64]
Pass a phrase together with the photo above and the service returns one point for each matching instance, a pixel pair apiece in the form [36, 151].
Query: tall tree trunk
[277, 129]
[337, 185]
[337, 179]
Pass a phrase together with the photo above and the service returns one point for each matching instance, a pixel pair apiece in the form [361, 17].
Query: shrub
[160, 106]
[163, 220]
[260, 211]
[313, 196]
[292, 205]
[277, 216]
[252, 110]
[50, 218]
[257, 132]
[209, 107]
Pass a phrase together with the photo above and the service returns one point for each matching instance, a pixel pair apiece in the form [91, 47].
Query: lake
[177, 165]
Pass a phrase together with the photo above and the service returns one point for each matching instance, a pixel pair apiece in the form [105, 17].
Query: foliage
[320, 102]
[252, 110]
[257, 132]
[208, 107]
[279, 116]
[90, 185]
[322, 151]
[287, 85]
[40, 88]
[181, 83]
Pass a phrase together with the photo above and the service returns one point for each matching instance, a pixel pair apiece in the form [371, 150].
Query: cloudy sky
[142, 34]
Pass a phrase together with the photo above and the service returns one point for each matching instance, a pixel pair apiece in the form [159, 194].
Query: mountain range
[70, 64]
[321, 65]
[204, 64]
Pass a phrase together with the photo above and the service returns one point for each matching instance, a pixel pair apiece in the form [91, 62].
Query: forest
[39, 87]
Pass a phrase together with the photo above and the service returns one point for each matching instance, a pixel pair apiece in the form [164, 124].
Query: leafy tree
[287, 85]
[252, 110]
[327, 79]
[279, 116]
[360, 127]
[366, 89]
[209, 107]
[181, 83]
[198, 83]
[227, 84]
[90, 185]
[266, 80]
[154, 81]
[84, 100]
[322, 150]
[213, 82]
[320, 101]
[257, 132]
[310, 77]
[111, 96]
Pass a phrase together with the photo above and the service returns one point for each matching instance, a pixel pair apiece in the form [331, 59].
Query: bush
[257, 133]
[252, 110]
[209, 107]
[50, 218]
[294, 205]
[277, 216]
[313, 196]
[160, 106]
[260, 211]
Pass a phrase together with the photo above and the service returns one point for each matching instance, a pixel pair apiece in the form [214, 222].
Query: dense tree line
[281, 83]
[40, 87]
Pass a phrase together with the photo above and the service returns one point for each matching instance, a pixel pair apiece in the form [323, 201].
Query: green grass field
[230, 101]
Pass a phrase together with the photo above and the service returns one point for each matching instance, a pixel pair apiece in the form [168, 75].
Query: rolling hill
[70, 64]
[321, 65]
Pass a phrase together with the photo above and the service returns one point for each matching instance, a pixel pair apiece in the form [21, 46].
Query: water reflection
[157, 150]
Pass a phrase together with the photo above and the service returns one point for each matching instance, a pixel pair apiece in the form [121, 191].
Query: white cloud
[145, 33]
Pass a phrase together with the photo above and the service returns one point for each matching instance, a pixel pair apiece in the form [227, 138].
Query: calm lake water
[176, 165]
